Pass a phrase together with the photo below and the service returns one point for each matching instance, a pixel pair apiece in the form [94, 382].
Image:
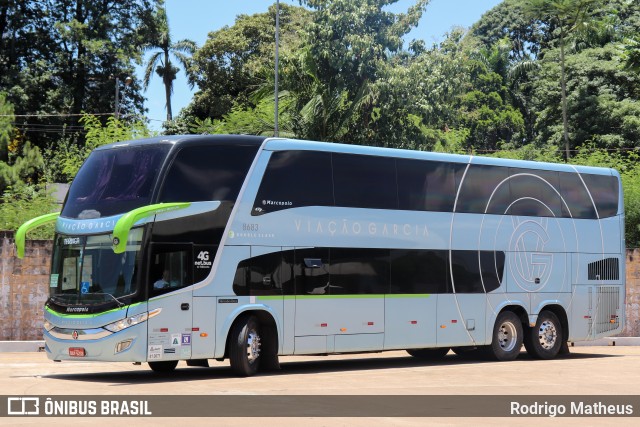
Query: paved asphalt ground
[597, 371]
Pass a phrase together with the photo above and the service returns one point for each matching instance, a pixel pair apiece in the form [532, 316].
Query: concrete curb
[21, 346]
[612, 341]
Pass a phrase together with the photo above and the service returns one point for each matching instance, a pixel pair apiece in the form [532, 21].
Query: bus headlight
[131, 321]
[47, 325]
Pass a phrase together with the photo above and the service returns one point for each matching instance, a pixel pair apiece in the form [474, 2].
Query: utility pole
[127, 82]
[275, 129]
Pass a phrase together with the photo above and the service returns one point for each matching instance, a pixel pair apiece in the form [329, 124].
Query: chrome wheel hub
[547, 335]
[253, 346]
[507, 336]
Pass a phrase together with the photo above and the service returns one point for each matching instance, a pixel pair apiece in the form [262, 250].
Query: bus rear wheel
[507, 337]
[429, 353]
[244, 350]
[164, 366]
[544, 340]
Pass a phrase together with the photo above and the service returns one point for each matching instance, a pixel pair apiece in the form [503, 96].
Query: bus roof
[279, 144]
[188, 140]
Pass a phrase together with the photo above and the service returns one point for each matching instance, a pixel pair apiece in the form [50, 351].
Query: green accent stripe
[124, 224]
[91, 315]
[353, 296]
[21, 234]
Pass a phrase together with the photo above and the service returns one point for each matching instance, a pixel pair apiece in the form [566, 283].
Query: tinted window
[201, 173]
[311, 271]
[604, 190]
[259, 275]
[427, 186]
[534, 193]
[114, 181]
[359, 271]
[576, 197]
[295, 179]
[365, 181]
[485, 189]
[476, 272]
[419, 271]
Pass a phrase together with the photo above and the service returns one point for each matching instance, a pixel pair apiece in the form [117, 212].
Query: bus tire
[507, 337]
[164, 366]
[429, 353]
[244, 350]
[544, 340]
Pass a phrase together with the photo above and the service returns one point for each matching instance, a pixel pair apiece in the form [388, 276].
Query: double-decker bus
[247, 248]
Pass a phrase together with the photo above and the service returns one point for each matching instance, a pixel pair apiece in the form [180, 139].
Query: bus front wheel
[507, 337]
[544, 340]
[244, 350]
[164, 366]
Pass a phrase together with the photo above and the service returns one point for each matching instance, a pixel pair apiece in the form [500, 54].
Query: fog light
[123, 345]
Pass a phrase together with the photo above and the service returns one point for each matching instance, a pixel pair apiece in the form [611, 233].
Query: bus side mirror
[21, 233]
[127, 221]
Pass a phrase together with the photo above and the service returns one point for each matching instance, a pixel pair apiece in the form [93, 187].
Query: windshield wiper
[120, 303]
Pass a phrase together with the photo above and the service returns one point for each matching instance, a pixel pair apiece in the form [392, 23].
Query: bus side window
[260, 275]
[312, 276]
[605, 192]
[576, 197]
[203, 173]
[428, 185]
[295, 179]
[364, 181]
[170, 268]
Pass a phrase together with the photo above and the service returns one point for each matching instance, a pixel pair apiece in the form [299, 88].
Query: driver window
[170, 268]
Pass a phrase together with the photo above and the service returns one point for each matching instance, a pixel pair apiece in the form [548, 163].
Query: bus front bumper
[128, 345]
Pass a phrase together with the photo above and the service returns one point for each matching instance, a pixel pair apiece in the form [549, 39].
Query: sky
[194, 19]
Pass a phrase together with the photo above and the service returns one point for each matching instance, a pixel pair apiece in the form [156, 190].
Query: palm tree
[160, 60]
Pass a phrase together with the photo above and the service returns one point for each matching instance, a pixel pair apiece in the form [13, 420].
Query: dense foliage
[532, 79]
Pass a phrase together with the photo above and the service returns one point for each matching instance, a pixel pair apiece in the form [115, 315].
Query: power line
[75, 115]
[56, 115]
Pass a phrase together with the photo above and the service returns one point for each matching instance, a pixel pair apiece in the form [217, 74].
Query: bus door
[170, 274]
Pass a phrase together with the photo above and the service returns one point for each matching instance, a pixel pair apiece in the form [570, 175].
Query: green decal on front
[124, 224]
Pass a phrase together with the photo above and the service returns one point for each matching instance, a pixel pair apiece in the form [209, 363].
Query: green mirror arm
[124, 224]
[21, 234]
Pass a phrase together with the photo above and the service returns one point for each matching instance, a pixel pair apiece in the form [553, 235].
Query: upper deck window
[212, 172]
[296, 179]
[114, 181]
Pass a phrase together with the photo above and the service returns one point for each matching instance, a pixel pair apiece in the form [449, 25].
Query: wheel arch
[561, 314]
[519, 310]
[268, 323]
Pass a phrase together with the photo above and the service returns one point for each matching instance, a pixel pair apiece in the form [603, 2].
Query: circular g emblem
[530, 265]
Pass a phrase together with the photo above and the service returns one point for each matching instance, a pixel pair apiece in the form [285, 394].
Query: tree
[160, 61]
[567, 17]
[509, 19]
[237, 60]
[60, 58]
[351, 43]
[65, 158]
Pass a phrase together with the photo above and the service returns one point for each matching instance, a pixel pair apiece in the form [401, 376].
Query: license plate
[77, 352]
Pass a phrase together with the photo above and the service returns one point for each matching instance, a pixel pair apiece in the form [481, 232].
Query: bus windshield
[114, 181]
[86, 271]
